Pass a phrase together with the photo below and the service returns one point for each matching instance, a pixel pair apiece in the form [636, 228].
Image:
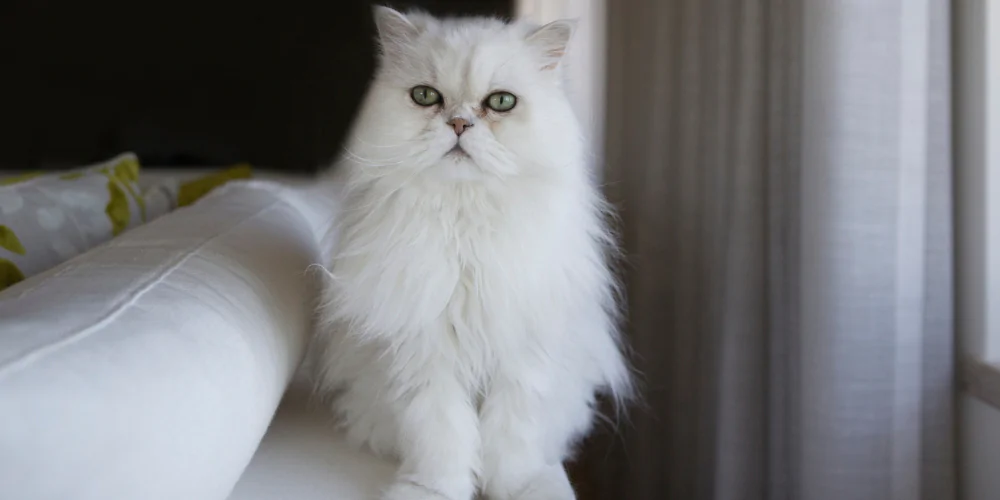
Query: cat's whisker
[373, 145]
[402, 155]
[371, 162]
[369, 208]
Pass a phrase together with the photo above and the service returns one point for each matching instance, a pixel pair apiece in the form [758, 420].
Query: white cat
[471, 314]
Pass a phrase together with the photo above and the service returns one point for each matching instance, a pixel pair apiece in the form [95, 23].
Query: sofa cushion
[303, 457]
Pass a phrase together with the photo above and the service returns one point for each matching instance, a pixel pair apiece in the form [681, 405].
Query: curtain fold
[783, 171]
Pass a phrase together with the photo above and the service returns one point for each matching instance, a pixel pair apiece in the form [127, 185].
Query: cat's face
[466, 98]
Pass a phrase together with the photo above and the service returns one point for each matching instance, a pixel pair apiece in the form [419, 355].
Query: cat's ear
[551, 41]
[394, 29]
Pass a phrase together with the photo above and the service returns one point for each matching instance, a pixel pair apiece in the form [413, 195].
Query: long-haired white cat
[470, 320]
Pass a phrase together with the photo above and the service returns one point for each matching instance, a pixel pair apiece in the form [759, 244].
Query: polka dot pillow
[169, 194]
[46, 219]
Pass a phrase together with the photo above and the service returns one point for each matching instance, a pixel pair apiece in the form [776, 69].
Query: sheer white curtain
[784, 173]
[585, 64]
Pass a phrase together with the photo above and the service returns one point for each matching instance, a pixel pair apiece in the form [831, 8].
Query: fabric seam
[41, 352]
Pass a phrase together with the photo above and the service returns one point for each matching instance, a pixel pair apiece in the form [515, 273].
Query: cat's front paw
[546, 489]
[408, 490]
[550, 484]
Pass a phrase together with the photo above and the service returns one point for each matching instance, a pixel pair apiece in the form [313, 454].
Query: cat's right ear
[552, 40]
[394, 29]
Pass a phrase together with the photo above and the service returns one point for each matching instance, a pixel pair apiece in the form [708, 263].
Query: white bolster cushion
[149, 368]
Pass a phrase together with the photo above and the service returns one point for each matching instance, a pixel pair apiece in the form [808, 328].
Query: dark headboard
[186, 82]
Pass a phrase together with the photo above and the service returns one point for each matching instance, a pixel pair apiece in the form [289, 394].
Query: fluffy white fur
[470, 318]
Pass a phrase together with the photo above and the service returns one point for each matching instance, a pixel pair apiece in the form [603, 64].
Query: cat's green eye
[425, 96]
[501, 101]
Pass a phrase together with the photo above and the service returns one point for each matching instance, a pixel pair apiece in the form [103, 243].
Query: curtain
[783, 174]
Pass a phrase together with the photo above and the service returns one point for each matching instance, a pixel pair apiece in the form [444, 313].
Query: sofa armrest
[150, 367]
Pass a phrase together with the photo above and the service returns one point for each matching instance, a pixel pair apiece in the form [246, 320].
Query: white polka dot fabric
[48, 219]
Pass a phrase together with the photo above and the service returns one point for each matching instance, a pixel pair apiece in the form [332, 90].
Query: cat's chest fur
[466, 269]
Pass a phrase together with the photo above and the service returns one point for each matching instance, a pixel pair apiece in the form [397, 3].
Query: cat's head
[466, 98]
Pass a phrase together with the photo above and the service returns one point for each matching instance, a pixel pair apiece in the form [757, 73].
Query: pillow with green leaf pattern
[48, 218]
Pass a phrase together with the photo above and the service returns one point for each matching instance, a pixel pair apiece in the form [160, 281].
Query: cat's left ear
[552, 40]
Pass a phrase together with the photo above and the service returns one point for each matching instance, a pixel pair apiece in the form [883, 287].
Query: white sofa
[301, 458]
[153, 367]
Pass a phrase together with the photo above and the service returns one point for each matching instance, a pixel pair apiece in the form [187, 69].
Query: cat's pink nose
[459, 124]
